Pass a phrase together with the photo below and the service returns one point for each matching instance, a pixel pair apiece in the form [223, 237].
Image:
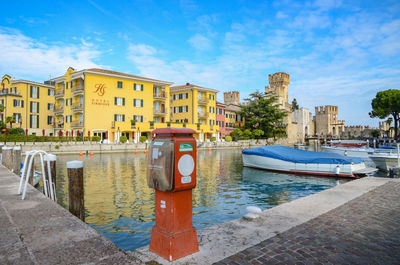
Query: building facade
[109, 104]
[30, 103]
[304, 122]
[194, 104]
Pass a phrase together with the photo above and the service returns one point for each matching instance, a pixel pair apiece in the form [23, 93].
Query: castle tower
[279, 84]
[232, 98]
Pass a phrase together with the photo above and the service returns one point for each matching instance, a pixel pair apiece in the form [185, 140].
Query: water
[119, 204]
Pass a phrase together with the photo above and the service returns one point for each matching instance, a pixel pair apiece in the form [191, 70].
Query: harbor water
[119, 205]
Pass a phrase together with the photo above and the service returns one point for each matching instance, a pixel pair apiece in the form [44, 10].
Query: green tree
[11, 120]
[258, 133]
[262, 112]
[295, 106]
[2, 108]
[247, 134]
[237, 133]
[374, 133]
[387, 103]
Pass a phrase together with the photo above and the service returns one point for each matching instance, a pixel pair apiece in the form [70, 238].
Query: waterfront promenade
[356, 222]
[39, 231]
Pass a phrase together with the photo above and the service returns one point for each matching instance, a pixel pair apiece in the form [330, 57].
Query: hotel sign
[100, 91]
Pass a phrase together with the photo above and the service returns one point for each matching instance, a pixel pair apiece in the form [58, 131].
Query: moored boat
[386, 161]
[297, 161]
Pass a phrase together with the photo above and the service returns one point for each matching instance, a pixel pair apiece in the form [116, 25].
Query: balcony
[203, 101]
[203, 115]
[77, 106]
[77, 124]
[58, 109]
[78, 88]
[59, 125]
[159, 95]
[6, 92]
[161, 112]
[59, 92]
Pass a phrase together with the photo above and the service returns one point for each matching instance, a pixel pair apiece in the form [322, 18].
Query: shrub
[213, 139]
[123, 139]
[142, 139]
[228, 138]
[151, 123]
[57, 147]
[18, 131]
[95, 138]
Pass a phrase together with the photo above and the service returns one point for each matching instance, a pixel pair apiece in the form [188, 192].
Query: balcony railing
[59, 125]
[159, 112]
[160, 95]
[58, 108]
[59, 92]
[6, 92]
[203, 115]
[77, 88]
[77, 124]
[77, 106]
[203, 101]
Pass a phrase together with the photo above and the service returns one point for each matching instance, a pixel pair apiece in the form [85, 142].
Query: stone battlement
[279, 77]
[328, 109]
[232, 97]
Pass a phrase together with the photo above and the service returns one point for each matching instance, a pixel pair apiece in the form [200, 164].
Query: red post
[72, 133]
[173, 235]
[26, 132]
[6, 132]
[43, 132]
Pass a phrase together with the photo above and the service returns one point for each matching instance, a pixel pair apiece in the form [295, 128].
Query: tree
[375, 133]
[295, 106]
[262, 112]
[2, 108]
[387, 103]
[258, 133]
[11, 120]
[237, 133]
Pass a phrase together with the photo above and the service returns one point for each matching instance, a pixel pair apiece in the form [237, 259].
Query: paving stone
[365, 230]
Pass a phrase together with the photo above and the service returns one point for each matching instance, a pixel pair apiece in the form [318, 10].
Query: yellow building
[103, 103]
[30, 103]
[195, 105]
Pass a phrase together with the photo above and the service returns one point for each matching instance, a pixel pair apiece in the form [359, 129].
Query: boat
[363, 152]
[298, 161]
[386, 161]
[348, 143]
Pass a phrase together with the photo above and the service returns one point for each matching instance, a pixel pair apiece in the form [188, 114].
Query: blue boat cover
[386, 147]
[301, 156]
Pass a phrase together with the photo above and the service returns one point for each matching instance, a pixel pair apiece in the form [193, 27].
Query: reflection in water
[119, 204]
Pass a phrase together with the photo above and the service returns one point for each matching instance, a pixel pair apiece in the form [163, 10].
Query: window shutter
[134, 102]
[115, 117]
[37, 91]
[141, 102]
[141, 88]
[37, 121]
[141, 118]
[123, 117]
[30, 106]
[22, 103]
[115, 101]
[37, 108]
[174, 97]
[31, 90]
[123, 101]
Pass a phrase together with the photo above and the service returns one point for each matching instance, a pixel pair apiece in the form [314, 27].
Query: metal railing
[203, 100]
[159, 112]
[203, 114]
[77, 106]
[77, 124]
[77, 88]
[160, 95]
[59, 92]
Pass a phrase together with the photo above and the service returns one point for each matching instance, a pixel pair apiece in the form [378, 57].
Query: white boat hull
[385, 161]
[268, 163]
[353, 152]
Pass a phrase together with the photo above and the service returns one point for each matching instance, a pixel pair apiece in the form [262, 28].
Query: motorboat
[363, 152]
[298, 161]
[36, 177]
[386, 161]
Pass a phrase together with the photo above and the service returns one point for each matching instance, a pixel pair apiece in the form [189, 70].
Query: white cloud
[200, 42]
[25, 57]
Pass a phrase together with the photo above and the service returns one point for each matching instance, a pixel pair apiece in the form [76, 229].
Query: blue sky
[336, 52]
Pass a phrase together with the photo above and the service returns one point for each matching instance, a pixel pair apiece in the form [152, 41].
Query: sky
[336, 52]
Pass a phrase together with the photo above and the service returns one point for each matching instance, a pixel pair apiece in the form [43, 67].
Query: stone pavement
[365, 230]
[39, 231]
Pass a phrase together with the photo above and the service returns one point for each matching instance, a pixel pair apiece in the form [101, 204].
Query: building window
[34, 121]
[50, 92]
[223, 124]
[50, 106]
[119, 84]
[138, 87]
[34, 107]
[186, 95]
[18, 103]
[119, 117]
[138, 118]
[34, 92]
[119, 101]
[50, 120]
[1, 101]
[17, 117]
[186, 109]
[138, 102]
[1, 117]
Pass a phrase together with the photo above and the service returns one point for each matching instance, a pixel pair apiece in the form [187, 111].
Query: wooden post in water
[16, 160]
[50, 158]
[75, 189]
